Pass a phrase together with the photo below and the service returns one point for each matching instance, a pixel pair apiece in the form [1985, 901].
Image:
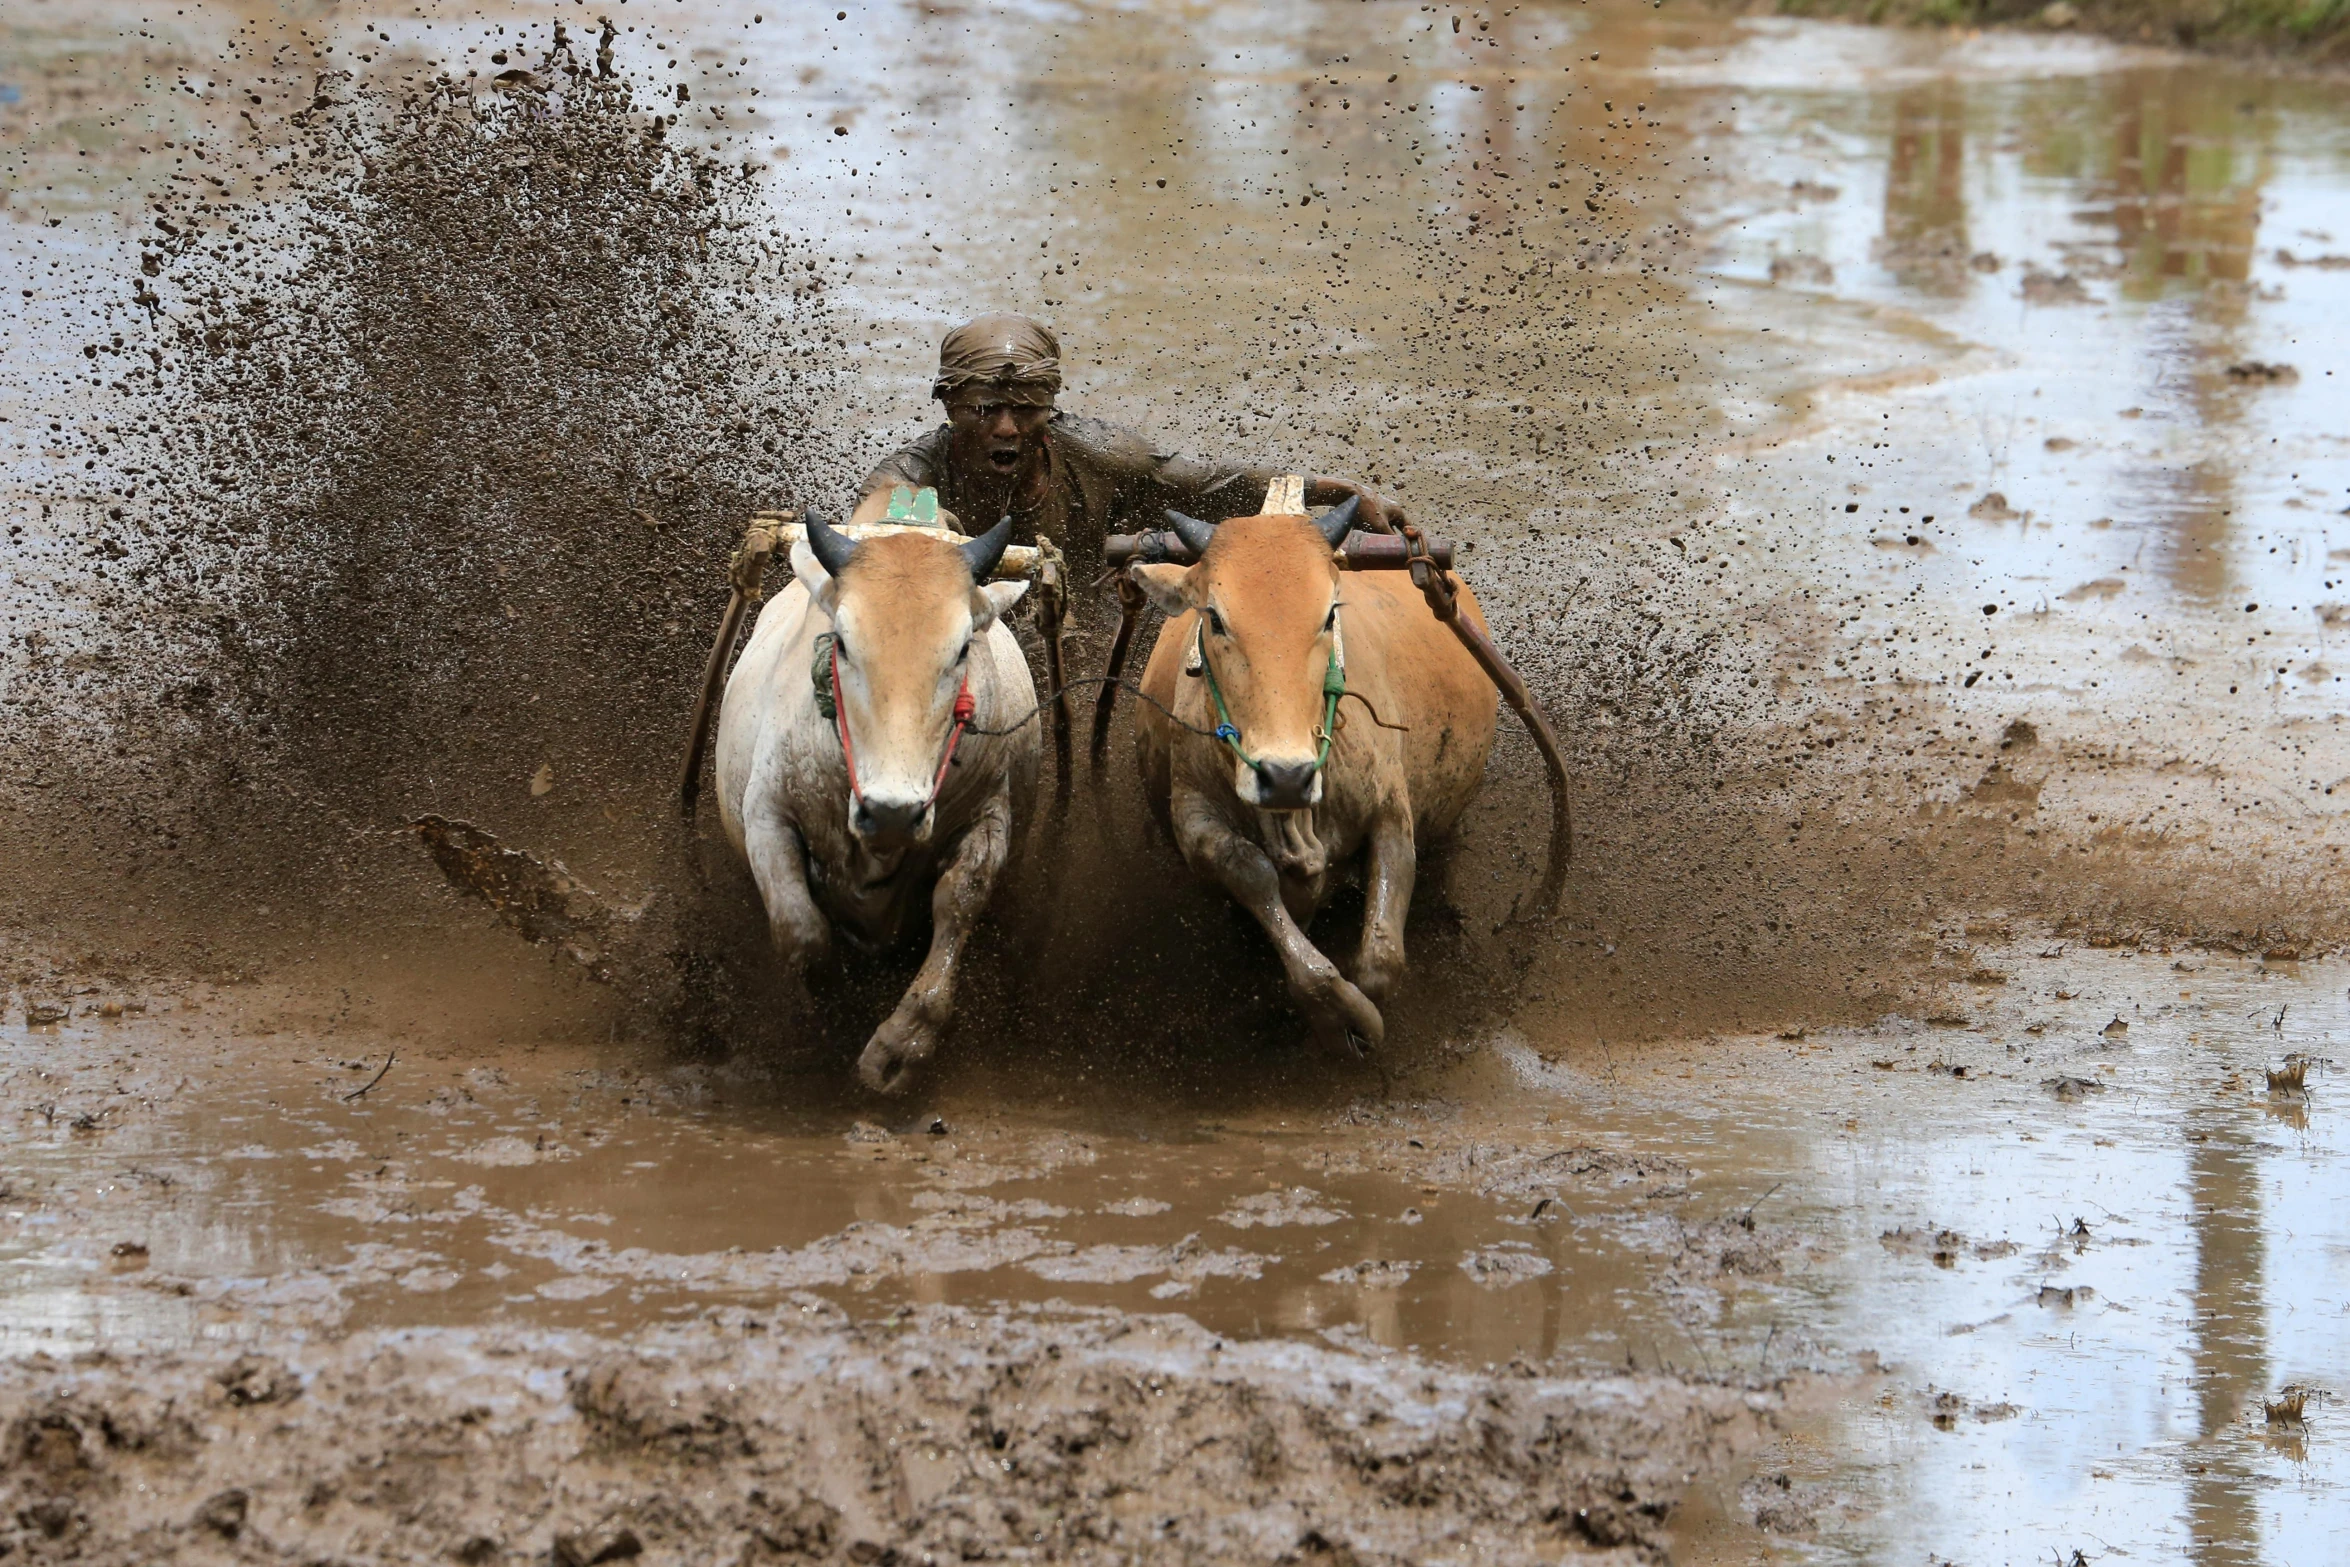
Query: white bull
[850, 817]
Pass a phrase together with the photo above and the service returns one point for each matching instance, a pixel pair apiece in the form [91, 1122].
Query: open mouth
[1004, 458]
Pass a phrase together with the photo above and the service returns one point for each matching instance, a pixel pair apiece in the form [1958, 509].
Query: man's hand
[1374, 513]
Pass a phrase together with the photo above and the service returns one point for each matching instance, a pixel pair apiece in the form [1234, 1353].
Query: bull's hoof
[1341, 1014]
[895, 1055]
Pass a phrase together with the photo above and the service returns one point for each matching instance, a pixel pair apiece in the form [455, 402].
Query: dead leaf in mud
[2287, 1408]
[1500, 1266]
[2071, 1090]
[2291, 1078]
[543, 781]
[2115, 1029]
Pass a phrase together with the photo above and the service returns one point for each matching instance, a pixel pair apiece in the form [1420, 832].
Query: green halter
[1333, 687]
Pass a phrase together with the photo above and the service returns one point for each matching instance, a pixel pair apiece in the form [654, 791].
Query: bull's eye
[1215, 623]
[965, 655]
[1330, 621]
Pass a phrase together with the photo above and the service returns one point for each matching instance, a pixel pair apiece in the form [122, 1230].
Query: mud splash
[431, 405]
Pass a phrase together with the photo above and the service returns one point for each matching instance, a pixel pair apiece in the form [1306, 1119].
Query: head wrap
[1002, 358]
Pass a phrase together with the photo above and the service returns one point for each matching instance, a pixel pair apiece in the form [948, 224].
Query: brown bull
[1277, 773]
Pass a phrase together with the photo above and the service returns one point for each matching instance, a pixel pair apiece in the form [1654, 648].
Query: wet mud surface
[1907, 467]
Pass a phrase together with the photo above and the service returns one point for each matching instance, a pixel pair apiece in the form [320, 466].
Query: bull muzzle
[883, 825]
[1283, 786]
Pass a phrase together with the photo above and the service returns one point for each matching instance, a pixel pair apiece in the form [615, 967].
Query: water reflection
[1925, 231]
[2230, 1328]
[2066, 280]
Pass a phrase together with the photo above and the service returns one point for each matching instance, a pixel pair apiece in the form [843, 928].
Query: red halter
[965, 708]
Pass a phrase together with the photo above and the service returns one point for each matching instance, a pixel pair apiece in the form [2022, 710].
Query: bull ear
[1167, 587]
[831, 547]
[1194, 533]
[809, 572]
[992, 600]
[982, 553]
[1338, 520]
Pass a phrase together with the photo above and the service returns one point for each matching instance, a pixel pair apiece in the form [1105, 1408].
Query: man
[1006, 449]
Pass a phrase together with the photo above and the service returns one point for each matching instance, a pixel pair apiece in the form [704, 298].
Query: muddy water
[1906, 463]
[2045, 1260]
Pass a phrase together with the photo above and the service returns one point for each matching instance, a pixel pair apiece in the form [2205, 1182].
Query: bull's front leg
[1393, 865]
[1333, 1006]
[911, 1034]
[778, 857]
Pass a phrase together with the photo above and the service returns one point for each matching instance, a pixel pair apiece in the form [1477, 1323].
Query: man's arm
[1150, 481]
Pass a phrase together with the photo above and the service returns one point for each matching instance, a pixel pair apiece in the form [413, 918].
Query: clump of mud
[441, 404]
[793, 1435]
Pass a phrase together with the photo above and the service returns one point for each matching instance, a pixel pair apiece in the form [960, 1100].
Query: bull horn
[1194, 533]
[831, 547]
[1338, 520]
[982, 553]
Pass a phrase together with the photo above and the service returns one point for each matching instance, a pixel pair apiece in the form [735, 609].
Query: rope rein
[1333, 687]
[838, 712]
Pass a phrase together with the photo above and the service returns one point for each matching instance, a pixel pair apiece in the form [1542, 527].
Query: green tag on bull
[919, 507]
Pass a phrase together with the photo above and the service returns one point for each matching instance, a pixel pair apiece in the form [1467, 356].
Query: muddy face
[1006, 440]
[1266, 602]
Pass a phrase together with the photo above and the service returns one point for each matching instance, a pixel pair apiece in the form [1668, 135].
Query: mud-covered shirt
[1100, 478]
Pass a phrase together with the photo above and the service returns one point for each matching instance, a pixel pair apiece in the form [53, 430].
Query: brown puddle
[1981, 1231]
